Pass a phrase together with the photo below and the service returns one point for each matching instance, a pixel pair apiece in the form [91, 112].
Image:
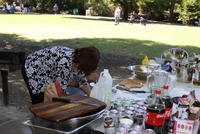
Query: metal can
[115, 115]
[121, 130]
[121, 109]
[130, 108]
[129, 114]
[148, 131]
[109, 125]
[133, 132]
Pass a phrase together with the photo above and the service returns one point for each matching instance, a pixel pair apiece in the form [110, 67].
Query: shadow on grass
[91, 18]
[111, 19]
[116, 46]
[116, 53]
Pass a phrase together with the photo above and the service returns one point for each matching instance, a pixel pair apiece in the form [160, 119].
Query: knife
[126, 89]
[59, 99]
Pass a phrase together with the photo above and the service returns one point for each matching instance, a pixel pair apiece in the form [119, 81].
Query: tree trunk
[125, 17]
[125, 9]
[171, 10]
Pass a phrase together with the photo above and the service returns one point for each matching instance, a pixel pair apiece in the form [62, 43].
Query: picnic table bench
[9, 61]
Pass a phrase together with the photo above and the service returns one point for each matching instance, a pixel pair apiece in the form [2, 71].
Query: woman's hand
[86, 89]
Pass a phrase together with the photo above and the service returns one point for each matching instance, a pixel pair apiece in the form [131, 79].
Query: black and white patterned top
[53, 64]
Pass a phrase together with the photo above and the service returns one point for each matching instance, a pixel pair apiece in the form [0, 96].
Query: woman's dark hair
[87, 58]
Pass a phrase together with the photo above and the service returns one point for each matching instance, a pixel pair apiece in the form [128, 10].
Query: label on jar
[109, 125]
[155, 119]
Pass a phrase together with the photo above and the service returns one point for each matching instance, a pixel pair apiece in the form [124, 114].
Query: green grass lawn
[124, 39]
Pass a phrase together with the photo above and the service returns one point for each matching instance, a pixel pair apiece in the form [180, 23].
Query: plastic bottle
[155, 115]
[108, 87]
[145, 61]
[103, 88]
[168, 108]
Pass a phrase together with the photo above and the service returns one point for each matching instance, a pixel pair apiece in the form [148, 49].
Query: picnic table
[179, 90]
[98, 124]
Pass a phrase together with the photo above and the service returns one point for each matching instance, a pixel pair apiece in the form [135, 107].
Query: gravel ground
[19, 99]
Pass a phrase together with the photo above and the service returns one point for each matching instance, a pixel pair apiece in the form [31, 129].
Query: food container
[71, 126]
[184, 71]
[179, 58]
[142, 71]
[175, 54]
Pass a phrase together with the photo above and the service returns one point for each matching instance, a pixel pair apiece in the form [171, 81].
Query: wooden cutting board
[131, 83]
[61, 111]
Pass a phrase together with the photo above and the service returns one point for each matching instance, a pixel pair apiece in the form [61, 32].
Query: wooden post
[4, 75]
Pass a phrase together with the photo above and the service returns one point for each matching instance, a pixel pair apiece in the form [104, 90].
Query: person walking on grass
[55, 9]
[132, 17]
[117, 15]
[143, 21]
[13, 7]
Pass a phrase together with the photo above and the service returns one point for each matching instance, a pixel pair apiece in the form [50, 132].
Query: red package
[52, 90]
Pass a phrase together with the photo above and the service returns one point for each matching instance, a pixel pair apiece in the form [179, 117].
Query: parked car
[194, 22]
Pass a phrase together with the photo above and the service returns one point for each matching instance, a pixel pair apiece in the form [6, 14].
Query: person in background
[13, 7]
[7, 8]
[117, 15]
[22, 7]
[132, 17]
[60, 64]
[55, 9]
[143, 21]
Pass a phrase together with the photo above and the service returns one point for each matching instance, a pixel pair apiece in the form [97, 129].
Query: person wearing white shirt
[117, 15]
[7, 8]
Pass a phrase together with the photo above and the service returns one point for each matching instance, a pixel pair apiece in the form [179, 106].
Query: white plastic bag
[103, 88]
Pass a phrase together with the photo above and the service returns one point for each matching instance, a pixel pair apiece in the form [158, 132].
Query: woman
[60, 64]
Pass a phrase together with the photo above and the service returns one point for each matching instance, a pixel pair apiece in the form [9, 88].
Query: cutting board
[131, 83]
[61, 111]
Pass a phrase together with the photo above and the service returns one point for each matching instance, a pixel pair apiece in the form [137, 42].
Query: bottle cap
[158, 91]
[165, 87]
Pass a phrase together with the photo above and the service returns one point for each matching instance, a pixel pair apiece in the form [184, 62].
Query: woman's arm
[86, 89]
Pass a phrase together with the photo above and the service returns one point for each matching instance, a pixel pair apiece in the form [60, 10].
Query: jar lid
[158, 91]
[165, 87]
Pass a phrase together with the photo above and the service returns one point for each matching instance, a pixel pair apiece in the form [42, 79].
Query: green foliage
[100, 7]
[153, 9]
[46, 6]
[169, 10]
[188, 10]
[1, 2]
[127, 6]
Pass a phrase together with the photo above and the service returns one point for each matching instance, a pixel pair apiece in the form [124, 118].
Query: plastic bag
[103, 88]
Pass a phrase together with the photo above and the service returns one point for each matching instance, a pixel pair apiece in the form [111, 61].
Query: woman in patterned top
[59, 64]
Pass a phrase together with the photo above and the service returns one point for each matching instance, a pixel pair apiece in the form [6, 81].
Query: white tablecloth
[179, 90]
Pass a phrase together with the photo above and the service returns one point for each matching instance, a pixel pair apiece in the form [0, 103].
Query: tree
[172, 7]
[152, 9]
[189, 9]
[126, 5]
[100, 7]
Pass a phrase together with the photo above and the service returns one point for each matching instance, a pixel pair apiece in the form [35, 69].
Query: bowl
[175, 54]
[142, 71]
